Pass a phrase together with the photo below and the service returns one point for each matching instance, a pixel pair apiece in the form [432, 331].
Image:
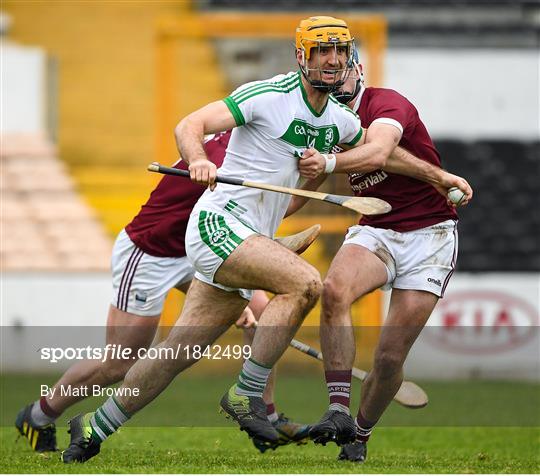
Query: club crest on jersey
[329, 138]
[220, 236]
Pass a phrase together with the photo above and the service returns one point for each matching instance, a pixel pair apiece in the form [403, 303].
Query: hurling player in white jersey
[229, 235]
[278, 125]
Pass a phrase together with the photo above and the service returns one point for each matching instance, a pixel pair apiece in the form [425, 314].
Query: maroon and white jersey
[415, 204]
[159, 229]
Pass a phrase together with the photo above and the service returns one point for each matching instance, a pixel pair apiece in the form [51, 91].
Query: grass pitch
[436, 443]
[226, 450]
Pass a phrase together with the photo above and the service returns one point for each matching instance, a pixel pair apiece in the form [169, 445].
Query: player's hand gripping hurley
[363, 205]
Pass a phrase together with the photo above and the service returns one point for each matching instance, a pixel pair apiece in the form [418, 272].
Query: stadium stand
[429, 23]
[44, 223]
[499, 231]
[507, 239]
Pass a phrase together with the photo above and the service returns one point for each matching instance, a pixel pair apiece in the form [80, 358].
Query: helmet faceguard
[354, 82]
[320, 34]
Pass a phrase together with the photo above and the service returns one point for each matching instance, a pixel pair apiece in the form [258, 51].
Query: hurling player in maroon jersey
[148, 260]
[411, 250]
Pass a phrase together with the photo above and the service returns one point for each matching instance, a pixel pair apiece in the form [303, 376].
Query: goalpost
[184, 82]
[174, 33]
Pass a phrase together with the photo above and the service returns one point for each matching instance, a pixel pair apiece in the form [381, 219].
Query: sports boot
[41, 438]
[250, 414]
[334, 426]
[289, 432]
[356, 451]
[82, 446]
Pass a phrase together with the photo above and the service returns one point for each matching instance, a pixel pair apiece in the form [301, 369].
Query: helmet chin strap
[345, 97]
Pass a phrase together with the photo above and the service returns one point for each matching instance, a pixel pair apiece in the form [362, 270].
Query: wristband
[330, 163]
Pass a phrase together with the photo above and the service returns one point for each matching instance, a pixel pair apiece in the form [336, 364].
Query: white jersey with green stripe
[276, 124]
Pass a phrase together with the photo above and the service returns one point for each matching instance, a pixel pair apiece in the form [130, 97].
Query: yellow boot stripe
[25, 428]
[34, 439]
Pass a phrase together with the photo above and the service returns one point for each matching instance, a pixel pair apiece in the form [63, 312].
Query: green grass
[226, 450]
[468, 427]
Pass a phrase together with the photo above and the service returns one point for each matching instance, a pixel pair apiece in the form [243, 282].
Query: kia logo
[481, 322]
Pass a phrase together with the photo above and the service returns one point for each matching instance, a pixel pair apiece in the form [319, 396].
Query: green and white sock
[252, 379]
[107, 419]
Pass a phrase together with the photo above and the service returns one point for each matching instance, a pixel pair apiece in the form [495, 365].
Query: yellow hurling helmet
[323, 31]
[315, 30]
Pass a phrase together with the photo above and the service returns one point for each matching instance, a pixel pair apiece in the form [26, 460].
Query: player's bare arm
[189, 135]
[404, 163]
[380, 142]
[366, 156]
[379, 151]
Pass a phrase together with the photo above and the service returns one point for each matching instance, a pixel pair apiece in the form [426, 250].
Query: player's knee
[311, 287]
[334, 297]
[388, 363]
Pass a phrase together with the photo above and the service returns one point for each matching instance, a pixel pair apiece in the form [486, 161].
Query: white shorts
[141, 281]
[421, 259]
[211, 236]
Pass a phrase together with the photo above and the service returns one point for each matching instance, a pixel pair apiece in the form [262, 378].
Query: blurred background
[91, 92]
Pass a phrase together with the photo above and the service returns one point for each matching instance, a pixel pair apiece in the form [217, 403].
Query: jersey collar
[304, 96]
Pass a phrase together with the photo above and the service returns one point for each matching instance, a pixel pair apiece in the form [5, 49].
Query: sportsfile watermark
[120, 352]
[84, 391]
[455, 375]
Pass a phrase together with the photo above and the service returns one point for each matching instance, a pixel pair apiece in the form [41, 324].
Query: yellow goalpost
[188, 76]
[179, 34]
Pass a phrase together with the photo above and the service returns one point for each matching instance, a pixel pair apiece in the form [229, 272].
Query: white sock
[107, 419]
[273, 417]
[38, 417]
[252, 379]
[339, 408]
